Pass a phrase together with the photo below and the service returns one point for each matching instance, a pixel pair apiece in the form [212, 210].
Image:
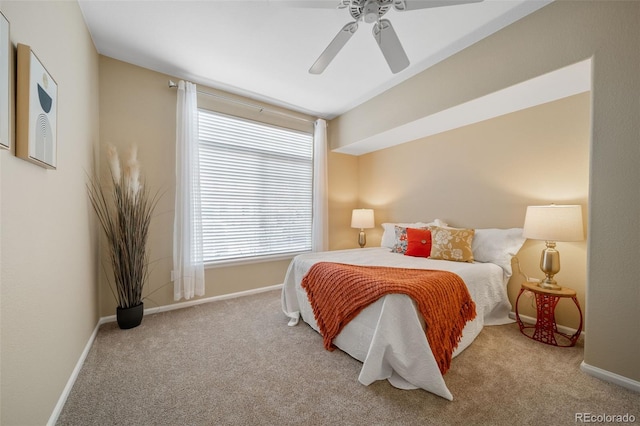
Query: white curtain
[188, 266]
[320, 228]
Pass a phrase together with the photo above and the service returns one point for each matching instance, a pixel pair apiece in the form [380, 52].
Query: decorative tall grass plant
[124, 209]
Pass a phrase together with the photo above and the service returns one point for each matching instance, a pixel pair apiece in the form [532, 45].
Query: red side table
[545, 329]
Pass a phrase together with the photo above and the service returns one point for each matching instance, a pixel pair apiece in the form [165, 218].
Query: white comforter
[388, 336]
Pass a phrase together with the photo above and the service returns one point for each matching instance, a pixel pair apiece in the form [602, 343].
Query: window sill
[251, 260]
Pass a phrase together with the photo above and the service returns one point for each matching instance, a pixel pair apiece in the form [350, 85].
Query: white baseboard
[53, 419]
[599, 373]
[561, 328]
[610, 377]
[181, 305]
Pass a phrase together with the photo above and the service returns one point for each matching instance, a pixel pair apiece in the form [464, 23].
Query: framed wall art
[5, 88]
[36, 111]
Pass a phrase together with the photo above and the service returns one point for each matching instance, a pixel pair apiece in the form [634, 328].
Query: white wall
[48, 233]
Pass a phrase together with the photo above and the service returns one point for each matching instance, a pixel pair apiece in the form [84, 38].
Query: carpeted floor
[236, 362]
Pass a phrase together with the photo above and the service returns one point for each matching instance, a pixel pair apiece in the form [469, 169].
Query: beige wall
[560, 34]
[137, 106]
[49, 257]
[343, 198]
[484, 175]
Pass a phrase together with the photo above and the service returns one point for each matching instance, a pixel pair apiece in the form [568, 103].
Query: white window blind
[256, 184]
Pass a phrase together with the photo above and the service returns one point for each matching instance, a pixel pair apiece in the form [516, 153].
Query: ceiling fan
[372, 11]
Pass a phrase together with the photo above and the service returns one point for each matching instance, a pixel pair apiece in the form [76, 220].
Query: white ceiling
[263, 49]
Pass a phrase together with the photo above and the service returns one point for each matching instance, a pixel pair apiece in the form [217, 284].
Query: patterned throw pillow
[400, 245]
[451, 244]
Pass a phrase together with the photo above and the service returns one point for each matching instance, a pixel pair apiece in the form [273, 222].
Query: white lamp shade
[362, 218]
[554, 223]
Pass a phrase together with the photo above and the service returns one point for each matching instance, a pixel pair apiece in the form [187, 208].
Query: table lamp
[553, 223]
[363, 219]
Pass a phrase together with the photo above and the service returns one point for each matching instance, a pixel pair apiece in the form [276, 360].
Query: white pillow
[497, 246]
[389, 230]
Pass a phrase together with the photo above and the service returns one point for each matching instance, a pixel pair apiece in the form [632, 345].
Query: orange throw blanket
[338, 292]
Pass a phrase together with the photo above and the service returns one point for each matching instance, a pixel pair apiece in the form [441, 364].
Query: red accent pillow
[418, 242]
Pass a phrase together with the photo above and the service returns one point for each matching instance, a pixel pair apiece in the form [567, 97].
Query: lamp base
[550, 265]
[549, 284]
[362, 238]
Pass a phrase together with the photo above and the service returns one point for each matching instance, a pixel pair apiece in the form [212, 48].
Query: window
[256, 188]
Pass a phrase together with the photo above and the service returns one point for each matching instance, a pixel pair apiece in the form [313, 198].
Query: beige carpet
[236, 362]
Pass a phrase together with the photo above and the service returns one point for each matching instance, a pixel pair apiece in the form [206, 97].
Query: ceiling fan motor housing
[369, 10]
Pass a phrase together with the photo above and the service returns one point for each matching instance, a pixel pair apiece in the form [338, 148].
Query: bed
[388, 336]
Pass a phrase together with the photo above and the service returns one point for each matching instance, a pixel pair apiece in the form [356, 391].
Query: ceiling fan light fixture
[371, 11]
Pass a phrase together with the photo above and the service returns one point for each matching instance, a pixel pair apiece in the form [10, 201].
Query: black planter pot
[129, 317]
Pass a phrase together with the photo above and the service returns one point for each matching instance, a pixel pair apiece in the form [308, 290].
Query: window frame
[267, 257]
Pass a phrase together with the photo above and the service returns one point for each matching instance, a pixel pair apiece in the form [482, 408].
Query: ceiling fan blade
[403, 5]
[333, 48]
[390, 45]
